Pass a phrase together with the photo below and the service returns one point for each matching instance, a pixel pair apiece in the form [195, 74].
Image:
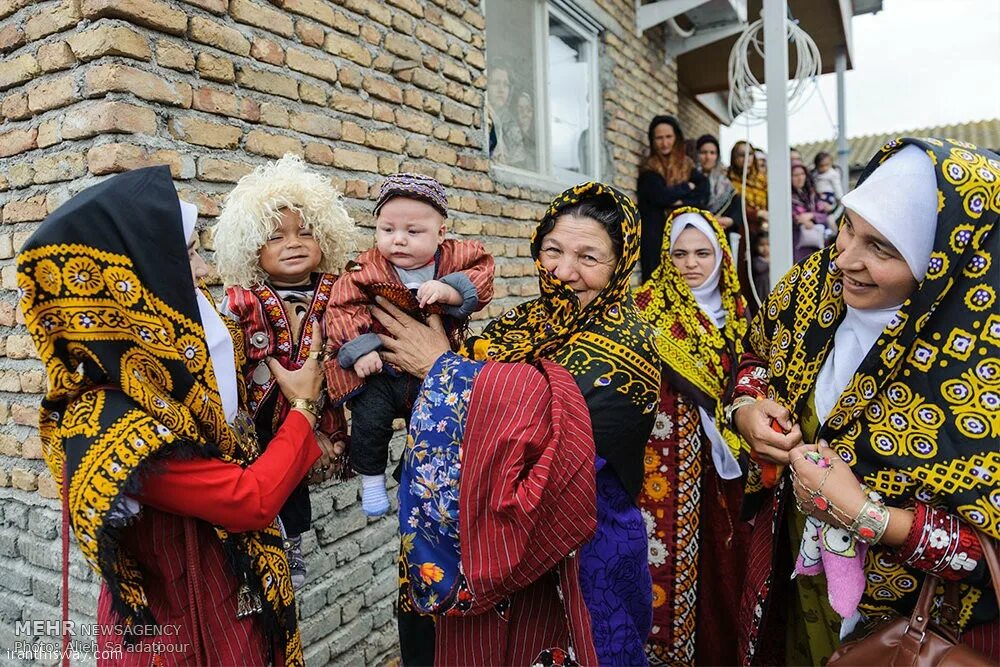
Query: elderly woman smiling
[533, 549]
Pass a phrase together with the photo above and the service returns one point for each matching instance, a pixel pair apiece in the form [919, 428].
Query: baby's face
[408, 232]
[291, 253]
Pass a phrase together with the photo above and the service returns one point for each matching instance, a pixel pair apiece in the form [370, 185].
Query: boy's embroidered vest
[267, 332]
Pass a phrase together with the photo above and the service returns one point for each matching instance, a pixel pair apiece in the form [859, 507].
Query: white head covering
[707, 294]
[710, 301]
[900, 200]
[221, 355]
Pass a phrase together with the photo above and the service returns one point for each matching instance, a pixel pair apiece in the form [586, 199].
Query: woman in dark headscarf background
[667, 180]
[544, 550]
[141, 426]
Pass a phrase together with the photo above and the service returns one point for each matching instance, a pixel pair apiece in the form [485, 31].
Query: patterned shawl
[606, 346]
[755, 192]
[107, 300]
[920, 417]
[698, 355]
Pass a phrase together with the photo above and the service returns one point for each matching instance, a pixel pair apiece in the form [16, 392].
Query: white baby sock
[374, 500]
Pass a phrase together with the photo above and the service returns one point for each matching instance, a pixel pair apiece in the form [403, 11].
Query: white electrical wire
[748, 98]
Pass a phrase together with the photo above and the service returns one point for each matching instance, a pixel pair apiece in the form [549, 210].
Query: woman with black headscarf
[667, 180]
[532, 550]
[142, 428]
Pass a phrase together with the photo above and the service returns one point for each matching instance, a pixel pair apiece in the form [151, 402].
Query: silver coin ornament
[261, 374]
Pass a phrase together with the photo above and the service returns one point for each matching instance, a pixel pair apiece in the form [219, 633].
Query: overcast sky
[917, 63]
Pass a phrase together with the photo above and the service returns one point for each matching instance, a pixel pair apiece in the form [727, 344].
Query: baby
[281, 234]
[415, 267]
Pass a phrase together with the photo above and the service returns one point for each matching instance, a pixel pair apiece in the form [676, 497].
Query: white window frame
[589, 30]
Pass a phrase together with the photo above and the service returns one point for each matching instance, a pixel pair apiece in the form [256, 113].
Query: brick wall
[695, 121]
[360, 88]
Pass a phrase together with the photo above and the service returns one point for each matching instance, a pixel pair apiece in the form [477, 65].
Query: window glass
[541, 89]
[570, 112]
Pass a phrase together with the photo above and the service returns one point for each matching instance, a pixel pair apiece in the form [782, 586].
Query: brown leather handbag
[917, 641]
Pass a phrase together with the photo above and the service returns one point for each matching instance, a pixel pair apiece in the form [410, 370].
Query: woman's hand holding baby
[369, 364]
[435, 291]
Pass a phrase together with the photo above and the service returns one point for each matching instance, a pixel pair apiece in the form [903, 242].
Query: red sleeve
[480, 271]
[470, 259]
[228, 495]
[751, 377]
[941, 543]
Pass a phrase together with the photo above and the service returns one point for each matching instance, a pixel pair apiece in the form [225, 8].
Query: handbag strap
[950, 609]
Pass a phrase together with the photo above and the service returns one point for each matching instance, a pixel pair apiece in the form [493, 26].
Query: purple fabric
[614, 575]
[414, 186]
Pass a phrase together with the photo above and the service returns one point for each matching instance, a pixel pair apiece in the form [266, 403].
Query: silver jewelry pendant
[261, 374]
[248, 603]
[260, 340]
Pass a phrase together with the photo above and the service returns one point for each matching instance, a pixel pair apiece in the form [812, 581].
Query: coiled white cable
[748, 98]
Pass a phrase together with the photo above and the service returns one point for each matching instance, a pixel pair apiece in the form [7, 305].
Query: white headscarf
[900, 200]
[221, 355]
[710, 301]
[707, 294]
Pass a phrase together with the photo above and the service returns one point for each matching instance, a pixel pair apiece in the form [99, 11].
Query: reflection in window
[511, 78]
[541, 88]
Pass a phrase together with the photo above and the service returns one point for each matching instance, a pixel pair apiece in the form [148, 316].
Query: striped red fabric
[528, 501]
[158, 541]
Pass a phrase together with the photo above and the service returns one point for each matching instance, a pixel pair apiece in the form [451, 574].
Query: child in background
[416, 268]
[282, 234]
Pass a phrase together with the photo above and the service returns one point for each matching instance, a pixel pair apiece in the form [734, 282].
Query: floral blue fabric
[614, 575]
[428, 489]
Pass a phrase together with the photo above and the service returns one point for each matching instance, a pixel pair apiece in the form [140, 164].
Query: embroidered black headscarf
[606, 346]
[105, 289]
[921, 416]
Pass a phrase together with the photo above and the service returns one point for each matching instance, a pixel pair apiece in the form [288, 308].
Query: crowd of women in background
[602, 476]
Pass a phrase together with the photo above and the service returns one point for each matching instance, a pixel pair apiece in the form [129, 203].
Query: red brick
[28, 210]
[345, 47]
[52, 94]
[150, 13]
[17, 141]
[18, 70]
[174, 56]
[300, 61]
[222, 171]
[355, 160]
[272, 145]
[123, 79]
[57, 167]
[52, 20]
[314, 9]
[309, 33]
[220, 102]
[319, 154]
[221, 36]
[268, 82]
[214, 6]
[318, 125]
[383, 90]
[15, 107]
[11, 37]
[55, 56]
[215, 68]
[261, 16]
[267, 51]
[103, 117]
[109, 40]
[204, 133]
